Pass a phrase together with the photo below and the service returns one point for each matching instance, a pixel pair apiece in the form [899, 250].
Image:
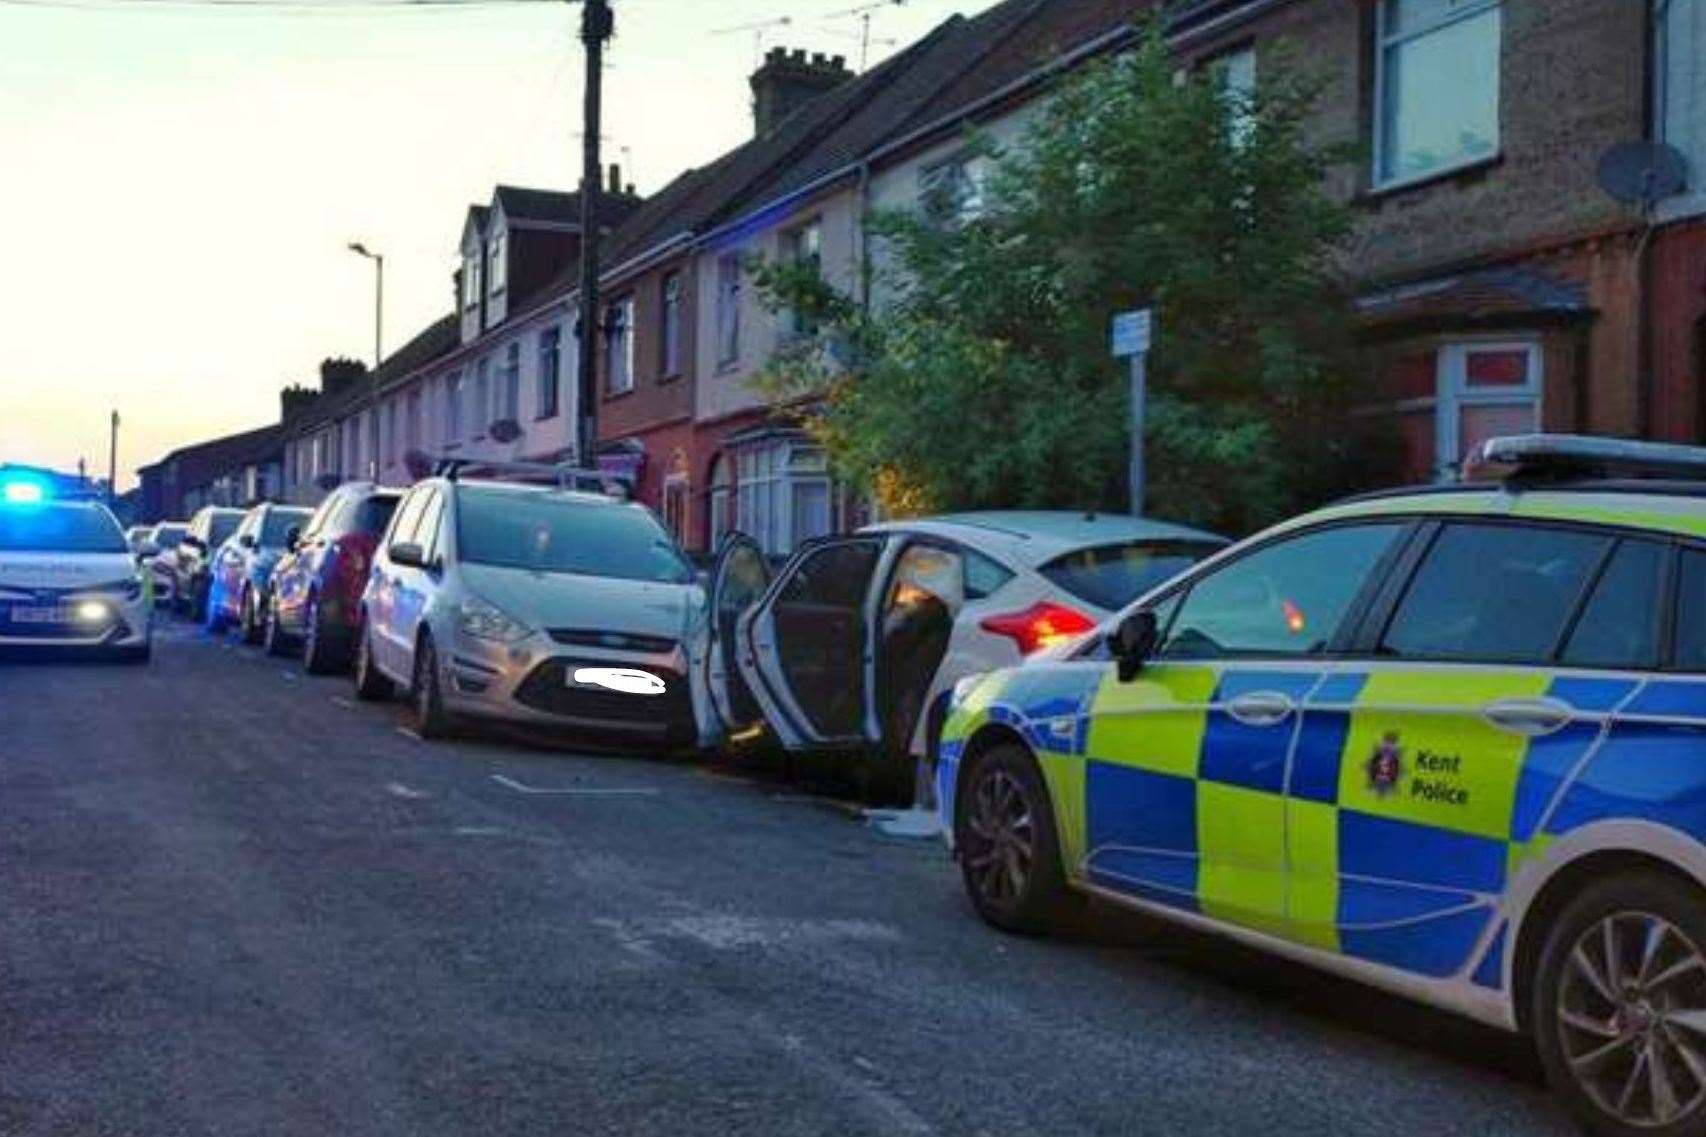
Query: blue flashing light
[22, 491]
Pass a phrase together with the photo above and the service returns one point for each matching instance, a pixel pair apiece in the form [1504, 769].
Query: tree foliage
[980, 377]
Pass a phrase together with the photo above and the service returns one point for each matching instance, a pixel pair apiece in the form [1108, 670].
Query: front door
[1428, 767]
[739, 579]
[806, 649]
[1187, 763]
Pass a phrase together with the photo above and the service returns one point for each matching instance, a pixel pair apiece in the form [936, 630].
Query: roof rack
[1575, 457]
[538, 473]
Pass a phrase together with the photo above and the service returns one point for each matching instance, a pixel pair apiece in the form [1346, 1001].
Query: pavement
[233, 901]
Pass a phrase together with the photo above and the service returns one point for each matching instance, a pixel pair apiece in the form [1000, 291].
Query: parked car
[315, 599]
[192, 560]
[858, 641]
[242, 569]
[68, 580]
[1450, 742]
[165, 537]
[140, 540]
[533, 604]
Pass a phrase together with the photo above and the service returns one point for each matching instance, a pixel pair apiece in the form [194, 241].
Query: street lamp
[378, 299]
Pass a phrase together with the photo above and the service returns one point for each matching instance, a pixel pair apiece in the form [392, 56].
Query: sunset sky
[183, 180]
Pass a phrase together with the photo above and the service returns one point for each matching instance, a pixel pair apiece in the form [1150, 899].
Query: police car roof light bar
[1568, 457]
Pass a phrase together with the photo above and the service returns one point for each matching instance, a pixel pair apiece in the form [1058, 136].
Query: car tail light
[1043, 624]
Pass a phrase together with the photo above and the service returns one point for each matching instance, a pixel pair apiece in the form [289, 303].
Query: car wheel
[213, 615]
[251, 618]
[370, 685]
[431, 719]
[320, 655]
[1619, 1006]
[273, 639]
[1005, 837]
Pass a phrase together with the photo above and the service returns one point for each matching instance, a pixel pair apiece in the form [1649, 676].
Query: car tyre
[371, 685]
[320, 655]
[251, 621]
[273, 639]
[431, 719]
[1619, 967]
[1005, 838]
[213, 616]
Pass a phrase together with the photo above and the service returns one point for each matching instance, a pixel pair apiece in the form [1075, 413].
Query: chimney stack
[339, 374]
[788, 80]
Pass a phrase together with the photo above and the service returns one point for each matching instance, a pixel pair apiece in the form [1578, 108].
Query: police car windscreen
[1112, 576]
[549, 533]
[60, 529]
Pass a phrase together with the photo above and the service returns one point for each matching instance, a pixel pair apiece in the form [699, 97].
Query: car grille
[616, 641]
[668, 716]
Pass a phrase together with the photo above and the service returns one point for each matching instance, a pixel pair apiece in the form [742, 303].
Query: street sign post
[1132, 335]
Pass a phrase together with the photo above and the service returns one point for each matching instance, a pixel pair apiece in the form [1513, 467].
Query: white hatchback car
[857, 642]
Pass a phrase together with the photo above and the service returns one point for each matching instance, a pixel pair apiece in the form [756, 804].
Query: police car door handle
[1261, 708]
[1530, 717]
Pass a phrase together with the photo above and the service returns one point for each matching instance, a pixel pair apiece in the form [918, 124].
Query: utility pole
[597, 25]
[112, 462]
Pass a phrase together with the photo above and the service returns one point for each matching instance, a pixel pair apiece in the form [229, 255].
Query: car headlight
[487, 621]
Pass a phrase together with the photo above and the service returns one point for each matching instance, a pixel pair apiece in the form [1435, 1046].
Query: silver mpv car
[538, 605]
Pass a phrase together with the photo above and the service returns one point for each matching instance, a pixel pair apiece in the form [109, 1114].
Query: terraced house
[1499, 286]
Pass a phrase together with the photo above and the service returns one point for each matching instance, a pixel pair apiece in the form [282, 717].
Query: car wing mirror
[292, 538]
[407, 554]
[1133, 643]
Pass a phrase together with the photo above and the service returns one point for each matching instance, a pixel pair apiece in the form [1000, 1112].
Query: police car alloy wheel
[1005, 835]
[1619, 1006]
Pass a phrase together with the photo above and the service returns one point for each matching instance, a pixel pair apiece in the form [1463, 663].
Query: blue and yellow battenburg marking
[1385, 822]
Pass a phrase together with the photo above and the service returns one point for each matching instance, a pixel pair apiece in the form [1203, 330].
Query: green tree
[982, 377]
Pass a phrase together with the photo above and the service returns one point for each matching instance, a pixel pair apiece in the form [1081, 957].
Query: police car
[1450, 742]
[68, 579]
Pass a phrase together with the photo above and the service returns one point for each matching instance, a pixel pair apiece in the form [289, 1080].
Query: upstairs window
[1235, 74]
[728, 308]
[1436, 86]
[952, 191]
[482, 398]
[471, 281]
[550, 370]
[498, 259]
[670, 329]
[802, 248]
[453, 408]
[511, 408]
[1679, 85]
[619, 346]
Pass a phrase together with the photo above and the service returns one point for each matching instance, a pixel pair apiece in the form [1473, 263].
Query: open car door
[806, 649]
[739, 577]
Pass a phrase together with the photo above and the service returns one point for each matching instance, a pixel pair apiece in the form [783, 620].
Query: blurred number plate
[47, 615]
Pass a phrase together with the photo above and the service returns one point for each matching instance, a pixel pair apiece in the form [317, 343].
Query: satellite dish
[505, 430]
[1642, 173]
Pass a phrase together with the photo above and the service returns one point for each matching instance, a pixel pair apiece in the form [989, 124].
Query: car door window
[1494, 594]
[819, 621]
[1619, 627]
[1691, 613]
[1287, 598]
[983, 576]
[408, 519]
[925, 594]
[430, 532]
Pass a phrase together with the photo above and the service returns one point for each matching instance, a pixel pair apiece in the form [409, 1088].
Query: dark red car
[315, 597]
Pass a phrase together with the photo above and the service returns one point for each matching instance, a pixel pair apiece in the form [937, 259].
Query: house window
[783, 495]
[670, 331]
[1679, 83]
[412, 423]
[802, 248]
[1436, 86]
[512, 382]
[1235, 74]
[952, 191]
[498, 259]
[675, 508]
[393, 416]
[471, 280]
[550, 370]
[619, 346]
[482, 398]
[728, 308]
[720, 501]
[453, 408]
[1452, 398]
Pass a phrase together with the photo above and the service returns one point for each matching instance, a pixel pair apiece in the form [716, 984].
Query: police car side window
[983, 577]
[1494, 594]
[1691, 613]
[403, 532]
[1619, 627]
[1287, 598]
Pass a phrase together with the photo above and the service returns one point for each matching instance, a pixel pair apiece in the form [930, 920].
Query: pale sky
[181, 180]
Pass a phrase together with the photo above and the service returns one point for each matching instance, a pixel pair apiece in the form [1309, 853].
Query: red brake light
[1043, 624]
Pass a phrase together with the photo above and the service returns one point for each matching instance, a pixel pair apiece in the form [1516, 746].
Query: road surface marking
[577, 792]
[400, 790]
[290, 675]
[407, 733]
[339, 700]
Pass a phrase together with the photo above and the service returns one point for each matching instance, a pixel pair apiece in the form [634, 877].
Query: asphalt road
[233, 902]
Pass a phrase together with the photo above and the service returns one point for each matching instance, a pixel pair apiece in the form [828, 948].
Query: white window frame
[795, 251]
[1692, 200]
[471, 281]
[1384, 44]
[963, 173]
[671, 299]
[453, 409]
[498, 274]
[765, 484]
[729, 290]
[1452, 394]
[482, 399]
[1227, 76]
[548, 391]
[511, 390]
[619, 346]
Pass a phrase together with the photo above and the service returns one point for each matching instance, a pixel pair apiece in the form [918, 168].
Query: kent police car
[68, 579]
[1450, 742]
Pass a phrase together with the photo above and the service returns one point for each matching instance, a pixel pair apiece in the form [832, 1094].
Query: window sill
[623, 393]
[728, 366]
[545, 417]
[670, 377]
[1463, 171]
